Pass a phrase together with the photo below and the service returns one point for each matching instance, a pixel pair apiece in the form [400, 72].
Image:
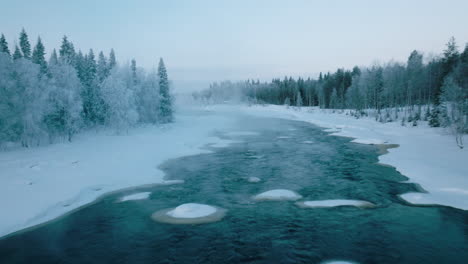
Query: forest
[47, 100]
[432, 89]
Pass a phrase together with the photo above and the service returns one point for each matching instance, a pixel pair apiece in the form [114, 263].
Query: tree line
[42, 101]
[433, 89]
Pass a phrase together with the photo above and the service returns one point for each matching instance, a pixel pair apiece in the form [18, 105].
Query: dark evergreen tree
[17, 54]
[165, 107]
[53, 60]
[4, 45]
[38, 56]
[25, 45]
[67, 51]
[112, 61]
[134, 72]
[102, 69]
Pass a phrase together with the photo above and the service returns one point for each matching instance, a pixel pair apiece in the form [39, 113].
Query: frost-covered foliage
[397, 91]
[41, 102]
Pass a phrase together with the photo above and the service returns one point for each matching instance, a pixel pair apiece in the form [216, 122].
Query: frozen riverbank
[427, 156]
[40, 184]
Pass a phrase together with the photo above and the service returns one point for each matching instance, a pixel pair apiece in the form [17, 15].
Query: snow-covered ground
[427, 156]
[278, 195]
[40, 184]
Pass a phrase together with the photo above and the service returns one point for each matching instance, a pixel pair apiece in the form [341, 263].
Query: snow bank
[427, 156]
[277, 195]
[136, 196]
[334, 203]
[189, 213]
[40, 184]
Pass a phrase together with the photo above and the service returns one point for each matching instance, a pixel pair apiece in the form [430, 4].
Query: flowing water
[259, 232]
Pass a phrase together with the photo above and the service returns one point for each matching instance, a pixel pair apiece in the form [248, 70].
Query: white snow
[241, 133]
[283, 137]
[334, 203]
[277, 195]
[427, 156]
[307, 142]
[40, 184]
[253, 179]
[135, 196]
[192, 210]
[338, 262]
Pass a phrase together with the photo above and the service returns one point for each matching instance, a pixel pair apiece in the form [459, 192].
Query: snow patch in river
[338, 262]
[334, 203]
[283, 137]
[278, 195]
[135, 196]
[308, 142]
[253, 179]
[189, 213]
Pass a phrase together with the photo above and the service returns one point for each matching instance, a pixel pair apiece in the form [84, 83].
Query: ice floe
[334, 203]
[253, 179]
[189, 213]
[278, 195]
[135, 196]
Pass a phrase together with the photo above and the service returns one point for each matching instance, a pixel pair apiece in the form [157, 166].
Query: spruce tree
[67, 51]
[112, 61]
[134, 72]
[53, 60]
[24, 44]
[165, 106]
[38, 56]
[17, 54]
[4, 45]
[102, 67]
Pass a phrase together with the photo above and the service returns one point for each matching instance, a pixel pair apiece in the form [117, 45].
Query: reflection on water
[324, 168]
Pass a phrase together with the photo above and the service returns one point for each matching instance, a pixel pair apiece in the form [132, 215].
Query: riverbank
[427, 156]
[41, 184]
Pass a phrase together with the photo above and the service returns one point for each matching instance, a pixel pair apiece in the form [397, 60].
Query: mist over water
[259, 232]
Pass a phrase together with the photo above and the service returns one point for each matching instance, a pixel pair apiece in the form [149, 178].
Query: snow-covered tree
[165, 105]
[25, 45]
[17, 53]
[120, 101]
[4, 45]
[112, 60]
[63, 117]
[102, 69]
[38, 56]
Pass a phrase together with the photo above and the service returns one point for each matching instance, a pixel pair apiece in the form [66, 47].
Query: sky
[207, 40]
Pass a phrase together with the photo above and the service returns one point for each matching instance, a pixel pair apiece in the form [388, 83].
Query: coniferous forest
[44, 99]
[432, 89]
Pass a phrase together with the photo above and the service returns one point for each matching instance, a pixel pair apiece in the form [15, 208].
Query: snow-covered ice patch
[278, 195]
[135, 196]
[253, 179]
[283, 137]
[334, 203]
[308, 142]
[338, 262]
[189, 213]
[332, 130]
[241, 133]
[369, 141]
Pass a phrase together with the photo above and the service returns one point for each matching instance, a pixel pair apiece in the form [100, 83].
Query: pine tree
[38, 56]
[17, 54]
[53, 60]
[24, 44]
[134, 72]
[112, 61]
[4, 45]
[102, 70]
[165, 109]
[67, 51]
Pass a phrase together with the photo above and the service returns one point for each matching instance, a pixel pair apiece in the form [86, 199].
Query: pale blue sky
[216, 40]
